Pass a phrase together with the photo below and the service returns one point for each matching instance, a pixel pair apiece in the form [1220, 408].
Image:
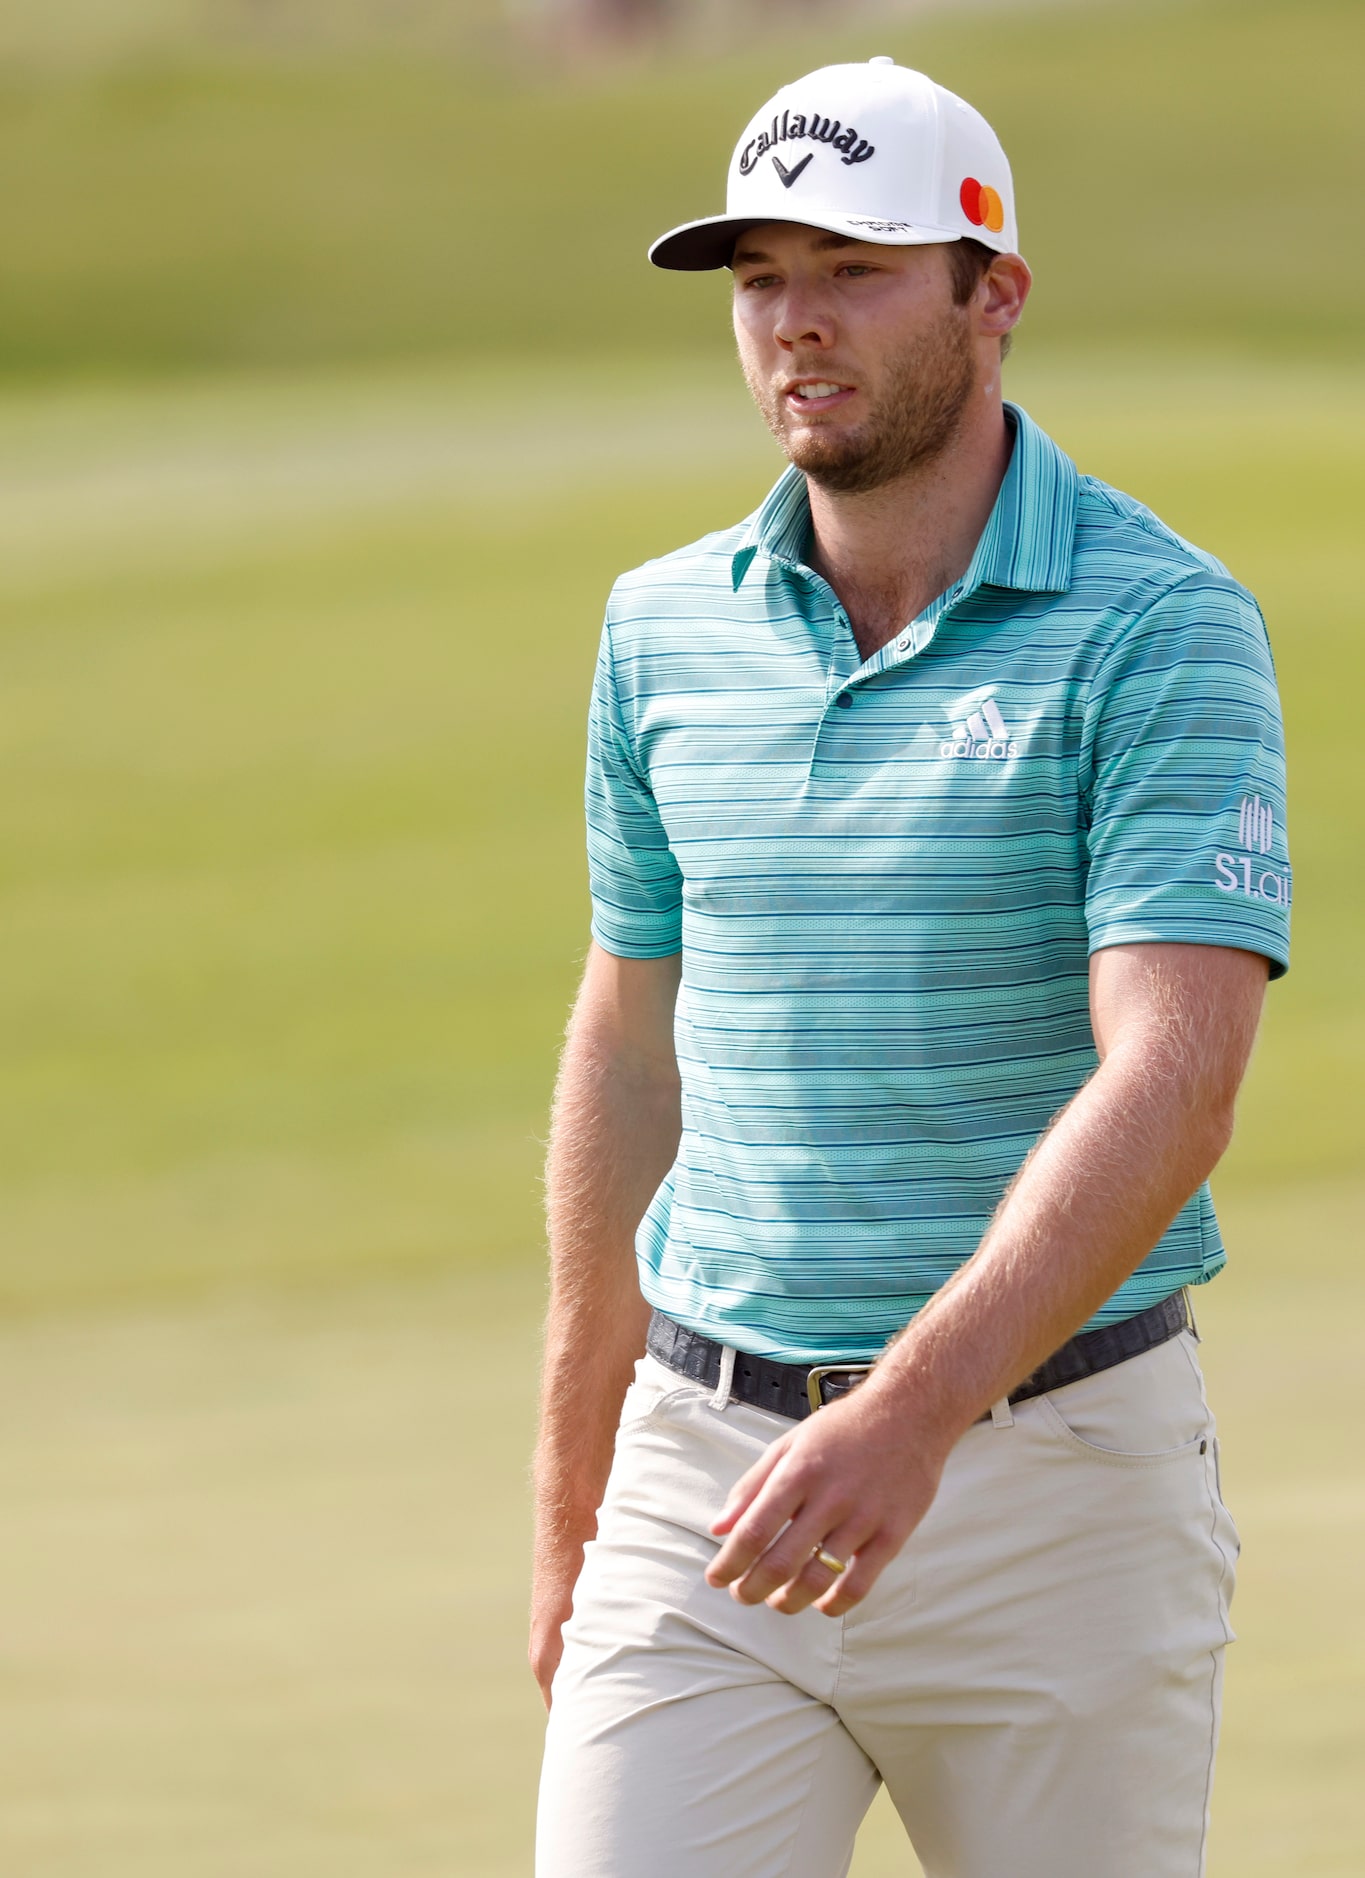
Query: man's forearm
[1095, 1196]
[613, 1138]
[1085, 1210]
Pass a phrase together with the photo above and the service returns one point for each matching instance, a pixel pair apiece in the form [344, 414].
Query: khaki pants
[1036, 1677]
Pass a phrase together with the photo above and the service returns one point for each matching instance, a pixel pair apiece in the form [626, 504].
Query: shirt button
[844, 699]
[903, 645]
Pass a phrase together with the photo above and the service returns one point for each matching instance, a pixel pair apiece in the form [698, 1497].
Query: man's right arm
[613, 1138]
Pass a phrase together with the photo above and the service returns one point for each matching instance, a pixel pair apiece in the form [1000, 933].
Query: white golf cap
[876, 152]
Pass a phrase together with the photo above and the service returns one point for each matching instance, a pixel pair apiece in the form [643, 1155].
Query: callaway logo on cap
[876, 152]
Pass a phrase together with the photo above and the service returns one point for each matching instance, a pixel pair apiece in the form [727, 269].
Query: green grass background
[332, 396]
[1186, 169]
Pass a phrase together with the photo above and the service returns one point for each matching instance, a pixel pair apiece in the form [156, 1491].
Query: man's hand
[551, 1603]
[854, 1480]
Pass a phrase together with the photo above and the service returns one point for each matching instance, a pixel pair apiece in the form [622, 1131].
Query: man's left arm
[1174, 1026]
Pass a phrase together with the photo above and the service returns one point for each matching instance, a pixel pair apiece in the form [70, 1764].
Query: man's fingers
[853, 1585]
[785, 1557]
[751, 1535]
[816, 1577]
[813, 1581]
[747, 1487]
[544, 1662]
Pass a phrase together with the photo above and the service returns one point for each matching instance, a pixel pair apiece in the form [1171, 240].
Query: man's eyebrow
[745, 257]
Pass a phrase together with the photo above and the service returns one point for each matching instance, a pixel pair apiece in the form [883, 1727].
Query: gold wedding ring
[830, 1563]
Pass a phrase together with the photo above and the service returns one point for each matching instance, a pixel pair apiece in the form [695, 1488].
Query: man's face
[856, 354]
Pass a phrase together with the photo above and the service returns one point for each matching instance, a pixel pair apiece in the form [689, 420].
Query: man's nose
[803, 318]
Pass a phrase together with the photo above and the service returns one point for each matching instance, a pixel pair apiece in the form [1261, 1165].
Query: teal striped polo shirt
[885, 879]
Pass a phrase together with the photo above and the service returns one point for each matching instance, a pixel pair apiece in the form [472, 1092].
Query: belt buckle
[815, 1379]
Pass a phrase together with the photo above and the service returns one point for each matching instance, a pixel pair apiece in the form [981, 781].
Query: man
[938, 867]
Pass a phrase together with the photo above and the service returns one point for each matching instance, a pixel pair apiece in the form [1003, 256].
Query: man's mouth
[817, 394]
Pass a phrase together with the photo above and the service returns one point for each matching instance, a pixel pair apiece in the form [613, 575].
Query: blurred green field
[255, 194]
[333, 393]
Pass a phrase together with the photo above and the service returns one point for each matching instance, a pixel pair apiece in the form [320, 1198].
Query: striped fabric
[885, 880]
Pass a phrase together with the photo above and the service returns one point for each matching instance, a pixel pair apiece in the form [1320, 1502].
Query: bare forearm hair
[613, 1138]
[1174, 1027]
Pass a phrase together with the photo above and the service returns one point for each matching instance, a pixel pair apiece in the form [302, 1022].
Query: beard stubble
[928, 388]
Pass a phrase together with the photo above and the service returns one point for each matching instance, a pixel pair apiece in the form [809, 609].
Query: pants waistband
[795, 1390]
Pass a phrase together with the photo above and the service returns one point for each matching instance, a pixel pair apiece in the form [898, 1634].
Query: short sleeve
[636, 883]
[1183, 775]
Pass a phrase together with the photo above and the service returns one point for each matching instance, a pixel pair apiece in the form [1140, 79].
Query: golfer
[937, 843]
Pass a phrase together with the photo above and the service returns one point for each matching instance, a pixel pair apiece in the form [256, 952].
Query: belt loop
[721, 1399]
[1190, 1323]
[1001, 1413]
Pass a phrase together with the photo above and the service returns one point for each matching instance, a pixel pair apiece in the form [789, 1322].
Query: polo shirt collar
[1027, 543]
[780, 529]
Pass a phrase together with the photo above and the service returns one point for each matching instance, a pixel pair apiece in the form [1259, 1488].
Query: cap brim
[710, 243]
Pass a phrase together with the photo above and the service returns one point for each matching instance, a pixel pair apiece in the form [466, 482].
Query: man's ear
[1001, 295]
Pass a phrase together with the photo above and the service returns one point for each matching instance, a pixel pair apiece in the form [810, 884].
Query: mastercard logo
[982, 205]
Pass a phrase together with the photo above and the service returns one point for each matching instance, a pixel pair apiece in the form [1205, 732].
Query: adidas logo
[982, 733]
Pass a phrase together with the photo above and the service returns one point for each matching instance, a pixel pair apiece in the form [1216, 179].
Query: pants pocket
[653, 1385]
[1146, 1412]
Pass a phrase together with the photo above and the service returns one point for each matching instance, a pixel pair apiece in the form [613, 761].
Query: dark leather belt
[795, 1389]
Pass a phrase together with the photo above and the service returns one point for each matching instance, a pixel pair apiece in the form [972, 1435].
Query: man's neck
[889, 552]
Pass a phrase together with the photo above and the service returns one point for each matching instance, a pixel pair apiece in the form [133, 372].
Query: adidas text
[985, 747]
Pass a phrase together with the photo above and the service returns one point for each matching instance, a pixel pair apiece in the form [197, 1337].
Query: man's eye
[857, 267]
[761, 280]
